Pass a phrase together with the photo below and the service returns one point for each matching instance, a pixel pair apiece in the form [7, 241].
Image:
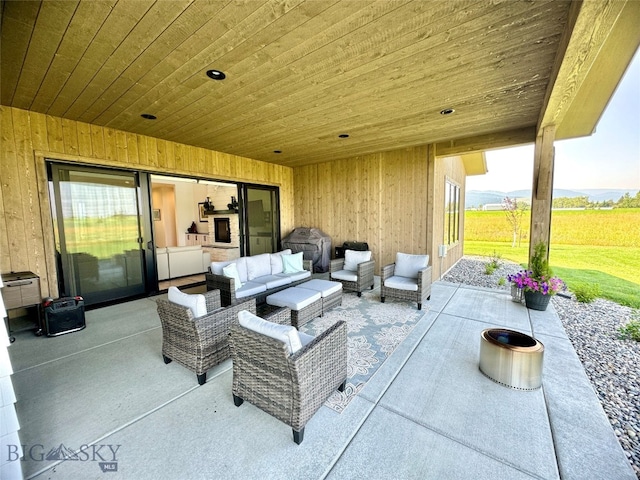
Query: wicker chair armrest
[226, 285]
[424, 278]
[218, 322]
[307, 265]
[212, 299]
[387, 271]
[322, 364]
[336, 264]
[281, 316]
[366, 270]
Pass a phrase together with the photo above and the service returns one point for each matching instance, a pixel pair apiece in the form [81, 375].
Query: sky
[610, 158]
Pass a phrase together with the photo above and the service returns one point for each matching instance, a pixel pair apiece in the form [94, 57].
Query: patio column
[542, 189]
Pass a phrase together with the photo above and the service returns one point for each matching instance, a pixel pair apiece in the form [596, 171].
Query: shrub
[631, 331]
[489, 269]
[494, 263]
[586, 292]
[502, 281]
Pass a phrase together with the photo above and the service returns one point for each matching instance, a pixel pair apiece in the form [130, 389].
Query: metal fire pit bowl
[511, 358]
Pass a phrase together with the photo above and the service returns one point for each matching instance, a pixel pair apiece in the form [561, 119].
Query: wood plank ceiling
[298, 73]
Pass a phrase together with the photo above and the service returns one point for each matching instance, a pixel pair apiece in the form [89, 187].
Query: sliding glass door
[99, 224]
[261, 219]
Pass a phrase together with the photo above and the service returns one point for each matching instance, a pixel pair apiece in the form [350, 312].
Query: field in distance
[588, 246]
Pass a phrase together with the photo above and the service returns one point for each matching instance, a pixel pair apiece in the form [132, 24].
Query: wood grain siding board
[28, 139]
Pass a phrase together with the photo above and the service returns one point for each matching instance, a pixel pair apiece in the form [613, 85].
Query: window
[451, 213]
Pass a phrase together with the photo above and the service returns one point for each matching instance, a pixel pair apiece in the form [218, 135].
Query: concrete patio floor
[428, 412]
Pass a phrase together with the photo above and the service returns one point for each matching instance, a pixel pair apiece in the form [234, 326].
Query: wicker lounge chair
[410, 281]
[198, 343]
[291, 387]
[355, 271]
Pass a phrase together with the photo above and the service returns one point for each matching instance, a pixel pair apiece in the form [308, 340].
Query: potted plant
[537, 283]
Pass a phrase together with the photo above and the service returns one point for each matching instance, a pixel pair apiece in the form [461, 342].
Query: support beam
[542, 189]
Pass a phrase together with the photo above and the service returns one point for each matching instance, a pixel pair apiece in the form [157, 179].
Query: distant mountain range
[475, 198]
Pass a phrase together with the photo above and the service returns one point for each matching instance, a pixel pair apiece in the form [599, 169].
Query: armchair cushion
[231, 271]
[346, 275]
[292, 263]
[258, 266]
[408, 265]
[401, 283]
[284, 333]
[195, 302]
[353, 257]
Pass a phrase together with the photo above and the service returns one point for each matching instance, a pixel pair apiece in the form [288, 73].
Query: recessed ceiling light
[216, 75]
[277, 151]
[343, 135]
[148, 116]
[447, 111]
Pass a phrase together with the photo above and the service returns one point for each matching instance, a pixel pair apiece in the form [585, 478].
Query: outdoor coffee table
[305, 304]
[331, 292]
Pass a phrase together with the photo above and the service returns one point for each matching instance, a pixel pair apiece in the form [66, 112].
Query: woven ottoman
[331, 292]
[305, 304]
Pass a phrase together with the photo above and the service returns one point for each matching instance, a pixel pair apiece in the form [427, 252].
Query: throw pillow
[408, 265]
[285, 333]
[292, 263]
[196, 302]
[231, 271]
[353, 257]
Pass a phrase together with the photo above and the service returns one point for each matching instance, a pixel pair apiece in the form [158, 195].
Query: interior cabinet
[196, 239]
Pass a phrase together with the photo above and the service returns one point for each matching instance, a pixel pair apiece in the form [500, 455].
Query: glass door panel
[262, 214]
[97, 223]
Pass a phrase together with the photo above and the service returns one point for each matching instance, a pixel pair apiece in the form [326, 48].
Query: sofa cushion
[216, 267]
[353, 257]
[276, 261]
[408, 265]
[258, 266]
[296, 276]
[194, 302]
[402, 283]
[250, 288]
[284, 333]
[241, 263]
[231, 271]
[272, 281]
[292, 263]
[346, 275]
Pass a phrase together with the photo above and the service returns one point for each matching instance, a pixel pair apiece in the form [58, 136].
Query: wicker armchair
[353, 279]
[290, 387]
[403, 285]
[198, 343]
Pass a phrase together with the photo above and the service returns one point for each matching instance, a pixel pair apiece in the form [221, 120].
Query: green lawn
[615, 269]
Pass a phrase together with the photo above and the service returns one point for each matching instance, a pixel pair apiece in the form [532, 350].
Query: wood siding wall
[383, 199]
[452, 169]
[26, 234]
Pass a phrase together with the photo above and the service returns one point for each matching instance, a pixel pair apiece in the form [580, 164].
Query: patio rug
[374, 329]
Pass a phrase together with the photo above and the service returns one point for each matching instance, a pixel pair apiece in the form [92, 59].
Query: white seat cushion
[284, 333]
[272, 281]
[294, 297]
[231, 271]
[408, 265]
[353, 257]
[401, 283]
[258, 266]
[346, 275]
[194, 302]
[296, 276]
[250, 288]
[325, 287]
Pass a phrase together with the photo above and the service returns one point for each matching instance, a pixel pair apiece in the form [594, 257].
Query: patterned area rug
[375, 329]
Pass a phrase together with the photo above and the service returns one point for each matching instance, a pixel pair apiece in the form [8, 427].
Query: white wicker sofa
[257, 276]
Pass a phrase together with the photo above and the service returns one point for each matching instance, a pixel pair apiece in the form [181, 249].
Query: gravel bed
[612, 364]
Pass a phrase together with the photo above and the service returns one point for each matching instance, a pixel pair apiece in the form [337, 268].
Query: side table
[21, 290]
